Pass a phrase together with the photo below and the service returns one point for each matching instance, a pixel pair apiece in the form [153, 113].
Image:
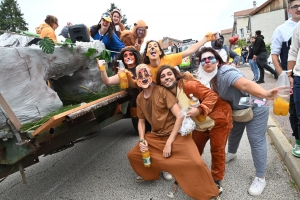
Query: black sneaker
[275, 75]
[260, 81]
[218, 183]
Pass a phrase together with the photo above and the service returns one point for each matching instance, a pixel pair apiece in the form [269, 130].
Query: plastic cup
[102, 65]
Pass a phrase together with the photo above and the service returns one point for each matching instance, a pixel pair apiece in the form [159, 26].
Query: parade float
[51, 97]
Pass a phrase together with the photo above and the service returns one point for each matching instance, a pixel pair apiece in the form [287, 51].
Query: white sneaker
[296, 150]
[167, 176]
[257, 187]
[230, 156]
[139, 179]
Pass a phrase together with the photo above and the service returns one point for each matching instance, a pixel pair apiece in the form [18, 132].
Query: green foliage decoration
[90, 52]
[67, 42]
[47, 45]
[104, 55]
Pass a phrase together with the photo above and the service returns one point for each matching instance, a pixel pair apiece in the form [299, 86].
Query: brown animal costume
[129, 37]
[217, 132]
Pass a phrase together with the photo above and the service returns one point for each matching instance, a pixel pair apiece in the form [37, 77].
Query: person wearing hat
[104, 32]
[116, 17]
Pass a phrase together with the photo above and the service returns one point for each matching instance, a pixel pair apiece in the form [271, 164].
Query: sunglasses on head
[208, 59]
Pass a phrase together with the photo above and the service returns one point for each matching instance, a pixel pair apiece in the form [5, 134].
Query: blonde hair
[141, 66]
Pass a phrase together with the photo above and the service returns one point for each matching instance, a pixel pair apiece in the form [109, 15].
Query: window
[242, 32]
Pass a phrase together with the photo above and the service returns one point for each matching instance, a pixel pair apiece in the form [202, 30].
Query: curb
[284, 148]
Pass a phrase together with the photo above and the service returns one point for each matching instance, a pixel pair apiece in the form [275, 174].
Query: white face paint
[208, 71]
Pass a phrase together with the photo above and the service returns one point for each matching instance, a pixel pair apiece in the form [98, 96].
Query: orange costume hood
[44, 30]
[129, 37]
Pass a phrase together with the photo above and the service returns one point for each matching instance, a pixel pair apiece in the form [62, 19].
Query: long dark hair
[214, 52]
[146, 58]
[178, 75]
[95, 29]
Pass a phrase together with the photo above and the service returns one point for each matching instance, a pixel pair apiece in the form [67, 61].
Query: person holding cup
[131, 58]
[116, 17]
[231, 85]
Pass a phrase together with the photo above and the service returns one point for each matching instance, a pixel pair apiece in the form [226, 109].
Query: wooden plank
[11, 115]
[58, 119]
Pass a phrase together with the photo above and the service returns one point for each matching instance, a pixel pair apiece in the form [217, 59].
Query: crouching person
[169, 151]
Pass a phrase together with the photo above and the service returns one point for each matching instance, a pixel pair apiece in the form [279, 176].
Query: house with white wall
[267, 17]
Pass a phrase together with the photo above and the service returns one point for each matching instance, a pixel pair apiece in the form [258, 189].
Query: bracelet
[142, 140]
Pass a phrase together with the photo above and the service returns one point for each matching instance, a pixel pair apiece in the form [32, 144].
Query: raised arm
[113, 80]
[195, 47]
[254, 89]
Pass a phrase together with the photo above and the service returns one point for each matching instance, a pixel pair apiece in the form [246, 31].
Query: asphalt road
[98, 168]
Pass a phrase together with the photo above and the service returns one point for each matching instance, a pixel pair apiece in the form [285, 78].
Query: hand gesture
[136, 43]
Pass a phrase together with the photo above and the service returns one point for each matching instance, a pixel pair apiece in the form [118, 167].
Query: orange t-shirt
[156, 110]
[172, 60]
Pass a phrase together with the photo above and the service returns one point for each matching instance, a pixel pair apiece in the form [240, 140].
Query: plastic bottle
[282, 100]
[122, 75]
[194, 102]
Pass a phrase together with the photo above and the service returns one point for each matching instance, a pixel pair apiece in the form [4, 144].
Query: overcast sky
[180, 19]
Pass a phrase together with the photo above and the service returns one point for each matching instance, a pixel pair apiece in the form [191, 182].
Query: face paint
[167, 79]
[144, 79]
[209, 59]
[128, 58]
[153, 51]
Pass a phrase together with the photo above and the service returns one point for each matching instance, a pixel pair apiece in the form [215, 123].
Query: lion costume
[217, 111]
[129, 37]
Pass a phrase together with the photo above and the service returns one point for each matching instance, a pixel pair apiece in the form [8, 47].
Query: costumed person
[222, 49]
[104, 32]
[136, 36]
[131, 58]
[231, 85]
[169, 150]
[280, 45]
[216, 112]
[155, 57]
[48, 28]
[116, 17]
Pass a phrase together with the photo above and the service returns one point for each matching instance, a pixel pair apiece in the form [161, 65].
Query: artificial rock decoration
[25, 72]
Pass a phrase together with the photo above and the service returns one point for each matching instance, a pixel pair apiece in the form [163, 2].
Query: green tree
[11, 18]
[124, 19]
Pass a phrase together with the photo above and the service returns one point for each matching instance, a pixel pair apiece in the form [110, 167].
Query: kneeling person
[169, 150]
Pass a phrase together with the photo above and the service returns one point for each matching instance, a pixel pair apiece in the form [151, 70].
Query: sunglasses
[210, 59]
[295, 7]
